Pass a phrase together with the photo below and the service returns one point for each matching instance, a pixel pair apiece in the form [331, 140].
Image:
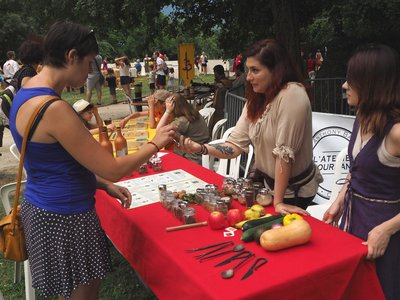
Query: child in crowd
[152, 81]
[86, 111]
[112, 84]
[171, 80]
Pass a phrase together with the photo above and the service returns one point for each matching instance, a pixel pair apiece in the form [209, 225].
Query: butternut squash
[296, 233]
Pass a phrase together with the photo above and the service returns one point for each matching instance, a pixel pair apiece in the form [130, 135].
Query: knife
[254, 267]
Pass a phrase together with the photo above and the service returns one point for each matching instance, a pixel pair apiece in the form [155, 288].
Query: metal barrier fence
[328, 96]
[326, 93]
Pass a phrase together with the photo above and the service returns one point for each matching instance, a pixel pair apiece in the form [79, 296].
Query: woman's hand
[151, 100]
[188, 146]
[165, 135]
[333, 213]
[378, 240]
[170, 105]
[120, 193]
[283, 208]
[111, 127]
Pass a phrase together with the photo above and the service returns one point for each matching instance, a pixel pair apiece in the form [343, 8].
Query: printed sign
[331, 134]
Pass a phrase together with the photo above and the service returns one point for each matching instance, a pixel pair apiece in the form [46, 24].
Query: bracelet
[155, 145]
[203, 150]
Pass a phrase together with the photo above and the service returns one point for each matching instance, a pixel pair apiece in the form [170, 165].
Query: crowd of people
[276, 120]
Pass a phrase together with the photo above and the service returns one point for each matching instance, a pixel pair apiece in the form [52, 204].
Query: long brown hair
[276, 58]
[374, 73]
[183, 108]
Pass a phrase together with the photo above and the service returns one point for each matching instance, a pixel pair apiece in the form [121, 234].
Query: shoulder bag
[12, 238]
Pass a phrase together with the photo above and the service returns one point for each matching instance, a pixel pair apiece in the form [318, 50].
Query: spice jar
[169, 199]
[221, 206]
[248, 183]
[241, 197]
[157, 165]
[176, 209]
[228, 186]
[264, 198]
[162, 191]
[250, 198]
[199, 196]
[228, 201]
[189, 215]
[143, 169]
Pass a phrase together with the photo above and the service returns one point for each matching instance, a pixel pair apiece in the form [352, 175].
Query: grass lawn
[75, 95]
[122, 283]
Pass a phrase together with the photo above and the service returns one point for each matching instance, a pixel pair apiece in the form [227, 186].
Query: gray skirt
[64, 251]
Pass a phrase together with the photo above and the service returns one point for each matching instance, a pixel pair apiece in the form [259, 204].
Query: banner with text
[331, 134]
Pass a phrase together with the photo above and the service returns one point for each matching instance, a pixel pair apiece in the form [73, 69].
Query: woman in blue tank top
[369, 203]
[65, 166]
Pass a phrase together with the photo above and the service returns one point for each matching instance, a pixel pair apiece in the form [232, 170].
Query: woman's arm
[170, 105]
[335, 211]
[132, 116]
[152, 118]
[379, 237]
[76, 140]
[99, 121]
[224, 150]
[114, 190]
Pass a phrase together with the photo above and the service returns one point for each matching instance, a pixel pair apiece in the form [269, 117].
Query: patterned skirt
[65, 251]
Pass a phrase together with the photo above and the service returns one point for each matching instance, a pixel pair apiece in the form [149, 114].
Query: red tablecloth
[330, 266]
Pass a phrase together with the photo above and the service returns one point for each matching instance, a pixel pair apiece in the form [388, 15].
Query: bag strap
[22, 156]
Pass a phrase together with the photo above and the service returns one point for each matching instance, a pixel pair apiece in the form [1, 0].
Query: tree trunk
[286, 28]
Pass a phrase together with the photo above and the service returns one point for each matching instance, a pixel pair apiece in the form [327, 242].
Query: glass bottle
[121, 146]
[104, 140]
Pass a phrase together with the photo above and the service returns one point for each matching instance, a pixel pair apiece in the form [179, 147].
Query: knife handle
[186, 226]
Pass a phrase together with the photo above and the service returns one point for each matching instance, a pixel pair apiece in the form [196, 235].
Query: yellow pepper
[289, 218]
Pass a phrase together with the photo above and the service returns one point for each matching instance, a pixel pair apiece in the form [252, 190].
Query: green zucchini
[249, 234]
[253, 223]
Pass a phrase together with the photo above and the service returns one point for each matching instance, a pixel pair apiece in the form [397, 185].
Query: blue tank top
[55, 180]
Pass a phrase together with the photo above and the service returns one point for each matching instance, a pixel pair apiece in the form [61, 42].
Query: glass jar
[199, 196]
[189, 215]
[143, 169]
[221, 206]
[228, 186]
[248, 183]
[157, 165]
[228, 201]
[162, 191]
[264, 198]
[151, 160]
[169, 199]
[250, 198]
[176, 209]
[241, 197]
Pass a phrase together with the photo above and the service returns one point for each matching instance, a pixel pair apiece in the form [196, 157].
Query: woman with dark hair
[276, 120]
[189, 122]
[67, 248]
[369, 203]
[31, 55]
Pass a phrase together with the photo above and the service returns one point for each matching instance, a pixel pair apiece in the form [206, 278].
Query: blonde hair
[161, 95]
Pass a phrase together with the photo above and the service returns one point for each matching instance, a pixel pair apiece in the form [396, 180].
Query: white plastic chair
[14, 151]
[207, 114]
[208, 104]
[317, 211]
[227, 133]
[226, 167]
[249, 158]
[218, 129]
[5, 192]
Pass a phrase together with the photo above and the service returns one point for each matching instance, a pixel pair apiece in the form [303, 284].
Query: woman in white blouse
[276, 120]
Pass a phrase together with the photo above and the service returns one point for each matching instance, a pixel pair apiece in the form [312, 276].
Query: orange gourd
[296, 233]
